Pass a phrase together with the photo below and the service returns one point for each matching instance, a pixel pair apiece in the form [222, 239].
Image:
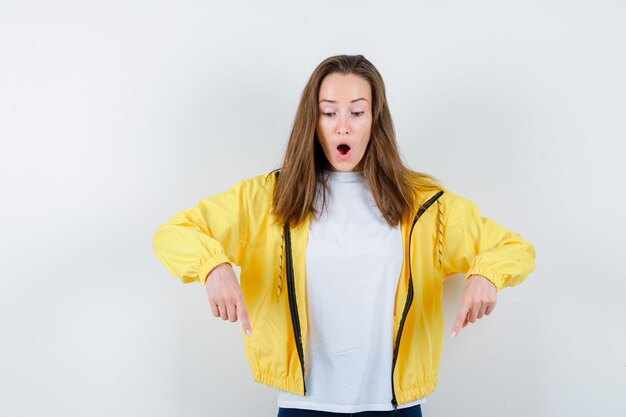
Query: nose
[342, 125]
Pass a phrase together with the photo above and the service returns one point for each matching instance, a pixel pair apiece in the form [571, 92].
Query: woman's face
[344, 122]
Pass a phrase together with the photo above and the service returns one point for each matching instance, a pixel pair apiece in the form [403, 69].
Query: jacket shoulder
[257, 190]
[259, 182]
[449, 201]
[451, 198]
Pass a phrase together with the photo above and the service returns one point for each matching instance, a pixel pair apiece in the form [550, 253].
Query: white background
[116, 115]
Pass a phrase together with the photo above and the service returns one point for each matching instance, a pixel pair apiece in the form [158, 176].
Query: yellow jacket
[447, 236]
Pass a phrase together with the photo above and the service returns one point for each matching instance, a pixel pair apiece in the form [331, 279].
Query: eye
[358, 113]
[328, 114]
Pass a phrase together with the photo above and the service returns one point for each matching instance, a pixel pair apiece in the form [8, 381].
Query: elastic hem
[490, 274]
[415, 391]
[407, 394]
[285, 384]
[208, 264]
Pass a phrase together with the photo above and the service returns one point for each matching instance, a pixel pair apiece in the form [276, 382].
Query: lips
[344, 151]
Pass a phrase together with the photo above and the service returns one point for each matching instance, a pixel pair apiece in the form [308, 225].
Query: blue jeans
[414, 411]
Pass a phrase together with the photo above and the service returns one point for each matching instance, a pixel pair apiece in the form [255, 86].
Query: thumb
[460, 319]
[243, 315]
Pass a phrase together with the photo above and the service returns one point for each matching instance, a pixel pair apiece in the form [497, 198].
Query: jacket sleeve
[195, 241]
[476, 245]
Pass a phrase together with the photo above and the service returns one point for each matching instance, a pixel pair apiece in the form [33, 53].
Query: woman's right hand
[225, 296]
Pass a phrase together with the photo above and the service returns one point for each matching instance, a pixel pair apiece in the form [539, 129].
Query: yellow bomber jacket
[446, 236]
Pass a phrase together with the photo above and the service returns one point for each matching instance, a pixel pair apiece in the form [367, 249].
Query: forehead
[344, 88]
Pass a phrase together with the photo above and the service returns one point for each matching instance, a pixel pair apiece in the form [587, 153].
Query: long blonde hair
[394, 187]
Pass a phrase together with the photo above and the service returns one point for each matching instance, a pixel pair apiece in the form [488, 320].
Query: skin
[225, 296]
[344, 117]
[478, 300]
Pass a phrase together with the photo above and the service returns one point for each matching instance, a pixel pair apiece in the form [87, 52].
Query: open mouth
[343, 149]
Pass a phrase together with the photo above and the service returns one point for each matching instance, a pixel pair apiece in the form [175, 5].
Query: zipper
[409, 298]
[291, 290]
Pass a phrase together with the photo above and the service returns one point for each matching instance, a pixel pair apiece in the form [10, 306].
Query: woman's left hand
[479, 298]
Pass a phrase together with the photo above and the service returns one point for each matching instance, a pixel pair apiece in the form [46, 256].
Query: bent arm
[476, 245]
[195, 241]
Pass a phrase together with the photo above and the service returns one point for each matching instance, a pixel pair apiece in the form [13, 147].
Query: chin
[343, 168]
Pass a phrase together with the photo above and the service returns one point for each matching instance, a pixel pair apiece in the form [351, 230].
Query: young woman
[343, 253]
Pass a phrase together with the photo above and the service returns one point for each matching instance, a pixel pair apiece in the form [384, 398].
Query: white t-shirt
[353, 263]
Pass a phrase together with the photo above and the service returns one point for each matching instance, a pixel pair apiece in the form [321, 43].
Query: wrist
[218, 266]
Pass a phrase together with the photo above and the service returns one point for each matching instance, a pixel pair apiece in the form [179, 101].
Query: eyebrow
[333, 101]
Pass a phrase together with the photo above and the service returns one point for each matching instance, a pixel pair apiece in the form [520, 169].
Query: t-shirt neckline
[344, 176]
